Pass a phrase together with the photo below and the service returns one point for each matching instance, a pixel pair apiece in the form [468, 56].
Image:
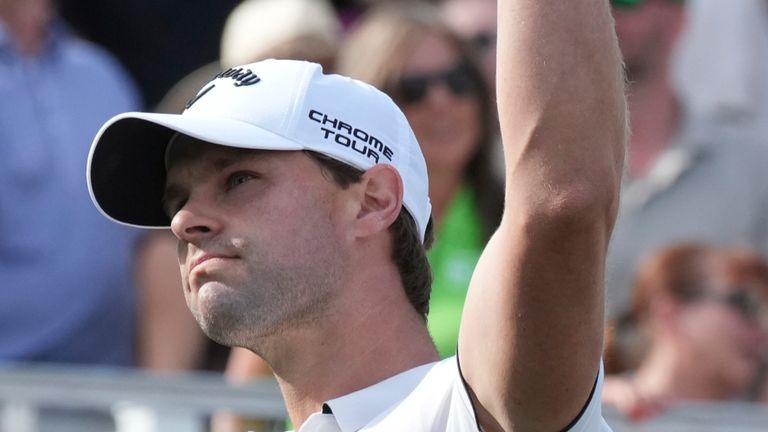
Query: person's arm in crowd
[168, 336]
[531, 334]
[621, 393]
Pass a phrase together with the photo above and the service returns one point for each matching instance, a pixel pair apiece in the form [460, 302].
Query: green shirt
[453, 257]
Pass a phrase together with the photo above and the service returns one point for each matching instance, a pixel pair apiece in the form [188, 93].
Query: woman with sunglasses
[699, 325]
[407, 52]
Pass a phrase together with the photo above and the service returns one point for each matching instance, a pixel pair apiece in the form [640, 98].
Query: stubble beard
[273, 301]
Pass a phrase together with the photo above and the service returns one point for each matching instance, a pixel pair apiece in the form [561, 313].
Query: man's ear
[381, 198]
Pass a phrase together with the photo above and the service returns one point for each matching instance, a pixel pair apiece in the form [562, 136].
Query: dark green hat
[625, 3]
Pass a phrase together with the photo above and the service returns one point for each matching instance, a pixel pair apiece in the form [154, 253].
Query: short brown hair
[408, 252]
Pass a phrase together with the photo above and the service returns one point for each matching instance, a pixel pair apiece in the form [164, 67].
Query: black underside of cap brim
[128, 172]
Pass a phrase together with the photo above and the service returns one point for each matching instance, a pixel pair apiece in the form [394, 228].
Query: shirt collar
[357, 409]
[689, 146]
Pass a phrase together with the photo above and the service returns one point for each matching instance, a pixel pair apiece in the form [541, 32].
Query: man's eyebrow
[223, 162]
[173, 192]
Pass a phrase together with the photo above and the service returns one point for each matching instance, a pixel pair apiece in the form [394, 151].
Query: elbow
[574, 208]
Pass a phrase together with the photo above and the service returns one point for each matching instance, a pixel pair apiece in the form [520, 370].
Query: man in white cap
[300, 204]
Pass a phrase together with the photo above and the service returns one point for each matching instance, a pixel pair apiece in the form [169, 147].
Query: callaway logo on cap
[269, 105]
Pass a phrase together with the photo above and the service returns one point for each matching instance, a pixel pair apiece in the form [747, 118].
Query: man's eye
[239, 178]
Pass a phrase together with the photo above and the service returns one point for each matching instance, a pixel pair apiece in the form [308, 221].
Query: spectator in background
[475, 22]
[406, 51]
[700, 314]
[260, 29]
[168, 336]
[728, 40]
[68, 294]
[350, 11]
[158, 41]
[688, 179]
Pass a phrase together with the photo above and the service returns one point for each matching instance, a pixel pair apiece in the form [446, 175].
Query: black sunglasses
[744, 301]
[414, 87]
[483, 40]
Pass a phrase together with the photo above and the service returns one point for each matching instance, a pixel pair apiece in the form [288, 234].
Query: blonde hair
[376, 51]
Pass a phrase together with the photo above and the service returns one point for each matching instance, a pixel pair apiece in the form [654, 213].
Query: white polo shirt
[428, 398]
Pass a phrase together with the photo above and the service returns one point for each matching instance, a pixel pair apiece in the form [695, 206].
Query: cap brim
[126, 164]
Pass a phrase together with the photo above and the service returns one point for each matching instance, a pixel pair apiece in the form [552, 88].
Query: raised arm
[531, 333]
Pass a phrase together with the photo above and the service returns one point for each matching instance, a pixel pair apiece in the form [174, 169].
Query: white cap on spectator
[255, 27]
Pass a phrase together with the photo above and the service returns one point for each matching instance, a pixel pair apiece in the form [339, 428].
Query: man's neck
[340, 355]
[655, 119]
[28, 36]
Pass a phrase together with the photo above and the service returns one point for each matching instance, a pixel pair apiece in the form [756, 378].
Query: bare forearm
[168, 336]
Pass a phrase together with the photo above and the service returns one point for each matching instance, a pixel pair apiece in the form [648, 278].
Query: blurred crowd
[686, 277]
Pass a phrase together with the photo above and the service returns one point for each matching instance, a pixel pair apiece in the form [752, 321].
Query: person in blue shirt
[67, 295]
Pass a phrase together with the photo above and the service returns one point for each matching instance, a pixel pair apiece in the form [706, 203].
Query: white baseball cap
[268, 105]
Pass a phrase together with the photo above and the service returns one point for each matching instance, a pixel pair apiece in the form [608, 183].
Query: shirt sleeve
[590, 419]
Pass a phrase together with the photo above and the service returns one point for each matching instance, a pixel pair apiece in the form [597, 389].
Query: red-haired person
[698, 321]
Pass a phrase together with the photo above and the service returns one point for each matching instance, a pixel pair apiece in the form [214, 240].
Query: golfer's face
[258, 237]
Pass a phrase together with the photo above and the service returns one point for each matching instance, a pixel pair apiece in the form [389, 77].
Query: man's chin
[227, 323]
[216, 330]
[218, 321]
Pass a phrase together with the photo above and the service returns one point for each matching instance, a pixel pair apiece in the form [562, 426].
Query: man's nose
[195, 222]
